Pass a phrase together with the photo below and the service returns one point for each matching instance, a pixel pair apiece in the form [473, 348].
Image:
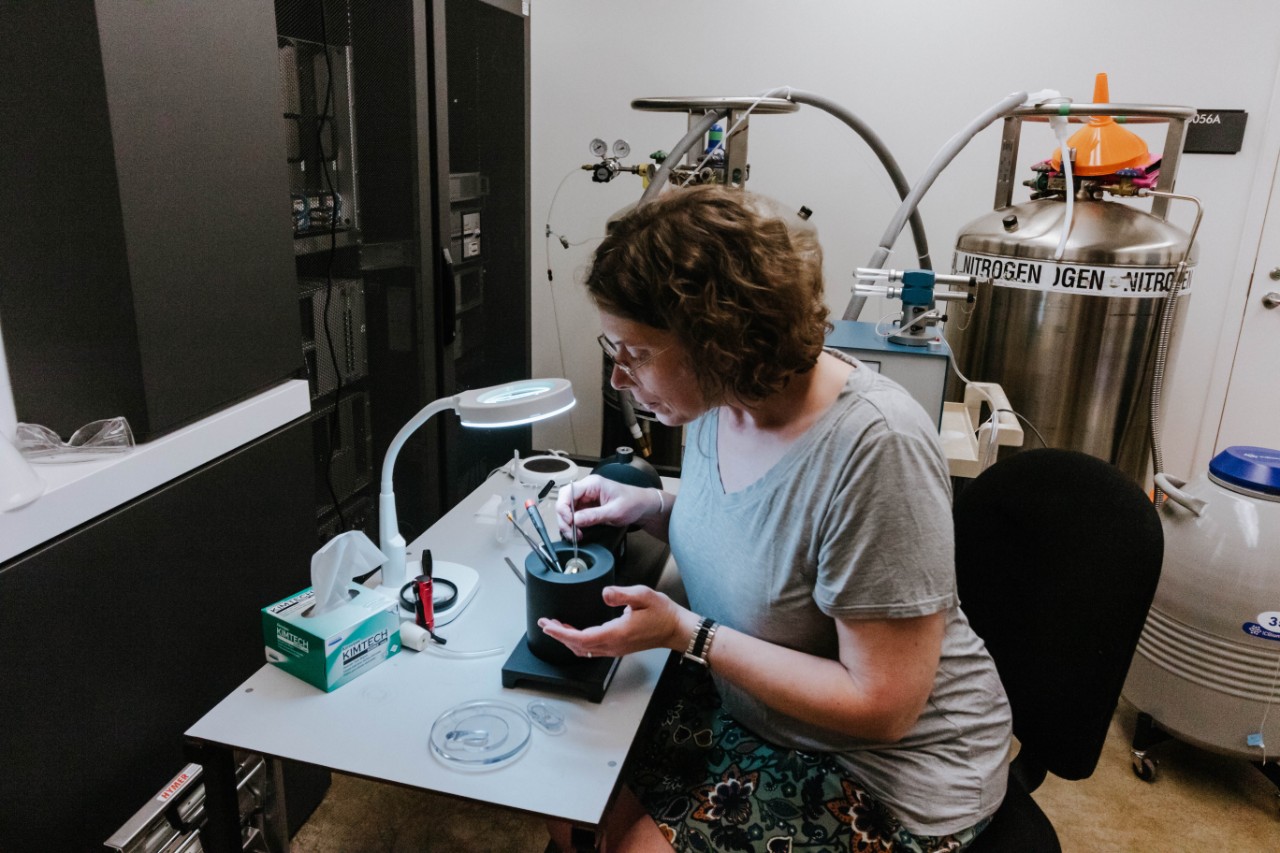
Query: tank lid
[1256, 469]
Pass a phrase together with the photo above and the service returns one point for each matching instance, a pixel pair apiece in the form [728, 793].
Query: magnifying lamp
[512, 404]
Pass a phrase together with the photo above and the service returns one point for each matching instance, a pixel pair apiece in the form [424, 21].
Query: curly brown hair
[734, 275]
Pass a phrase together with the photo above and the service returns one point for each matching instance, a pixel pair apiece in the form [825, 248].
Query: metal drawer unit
[171, 821]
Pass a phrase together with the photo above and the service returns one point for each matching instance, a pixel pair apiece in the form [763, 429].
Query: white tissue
[333, 567]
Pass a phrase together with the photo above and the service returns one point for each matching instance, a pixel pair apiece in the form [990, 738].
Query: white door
[1251, 414]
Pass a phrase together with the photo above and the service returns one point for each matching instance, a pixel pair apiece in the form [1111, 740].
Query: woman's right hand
[599, 500]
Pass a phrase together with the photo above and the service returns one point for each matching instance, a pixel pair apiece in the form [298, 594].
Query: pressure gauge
[621, 148]
[599, 148]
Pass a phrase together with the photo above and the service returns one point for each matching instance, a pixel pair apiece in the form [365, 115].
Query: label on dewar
[1145, 282]
[1253, 629]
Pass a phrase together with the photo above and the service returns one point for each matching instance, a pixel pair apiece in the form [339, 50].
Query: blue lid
[1254, 468]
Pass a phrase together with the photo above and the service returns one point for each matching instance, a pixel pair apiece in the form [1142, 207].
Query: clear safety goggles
[40, 444]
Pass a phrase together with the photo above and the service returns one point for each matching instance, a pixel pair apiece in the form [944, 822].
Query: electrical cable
[990, 402]
[450, 652]
[1024, 419]
[1271, 697]
[322, 119]
[555, 308]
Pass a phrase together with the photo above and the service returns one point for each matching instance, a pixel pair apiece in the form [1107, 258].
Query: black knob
[1010, 222]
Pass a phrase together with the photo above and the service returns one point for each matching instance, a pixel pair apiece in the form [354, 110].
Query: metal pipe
[1131, 113]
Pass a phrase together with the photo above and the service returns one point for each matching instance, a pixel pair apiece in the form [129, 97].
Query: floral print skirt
[712, 785]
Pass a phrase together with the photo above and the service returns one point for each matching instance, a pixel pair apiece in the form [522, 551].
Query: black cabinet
[146, 269]
[415, 114]
[120, 635]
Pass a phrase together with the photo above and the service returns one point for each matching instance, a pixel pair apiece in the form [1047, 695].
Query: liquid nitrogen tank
[1068, 326]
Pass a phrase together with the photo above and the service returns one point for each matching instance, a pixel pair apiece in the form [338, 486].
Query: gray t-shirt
[854, 522]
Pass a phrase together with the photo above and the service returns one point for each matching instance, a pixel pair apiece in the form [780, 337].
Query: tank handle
[1172, 487]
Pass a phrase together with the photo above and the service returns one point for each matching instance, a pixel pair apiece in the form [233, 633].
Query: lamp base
[588, 676]
[465, 578]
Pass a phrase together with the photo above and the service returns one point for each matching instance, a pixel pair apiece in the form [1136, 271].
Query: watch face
[621, 148]
[599, 147]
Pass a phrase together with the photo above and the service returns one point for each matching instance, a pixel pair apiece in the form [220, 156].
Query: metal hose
[1001, 108]
[878, 147]
[1168, 309]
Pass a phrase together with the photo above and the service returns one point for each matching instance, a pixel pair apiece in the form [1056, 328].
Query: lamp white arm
[389, 538]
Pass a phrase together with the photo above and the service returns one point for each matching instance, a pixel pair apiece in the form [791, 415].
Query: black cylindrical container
[573, 599]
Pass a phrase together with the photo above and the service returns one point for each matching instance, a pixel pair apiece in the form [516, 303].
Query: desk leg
[221, 831]
[583, 839]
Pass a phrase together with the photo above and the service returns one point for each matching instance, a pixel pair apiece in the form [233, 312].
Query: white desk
[378, 725]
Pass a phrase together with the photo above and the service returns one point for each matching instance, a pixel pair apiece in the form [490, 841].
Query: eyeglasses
[614, 352]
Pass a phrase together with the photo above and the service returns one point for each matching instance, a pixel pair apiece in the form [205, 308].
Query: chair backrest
[1057, 558]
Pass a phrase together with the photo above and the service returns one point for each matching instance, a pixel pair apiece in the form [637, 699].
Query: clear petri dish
[484, 734]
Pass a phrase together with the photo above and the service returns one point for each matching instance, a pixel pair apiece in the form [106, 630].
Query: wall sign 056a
[1146, 282]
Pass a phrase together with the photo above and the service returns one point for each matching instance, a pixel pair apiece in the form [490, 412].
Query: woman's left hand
[650, 620]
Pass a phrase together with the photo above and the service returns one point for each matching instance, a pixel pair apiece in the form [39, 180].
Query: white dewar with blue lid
[1207, 667]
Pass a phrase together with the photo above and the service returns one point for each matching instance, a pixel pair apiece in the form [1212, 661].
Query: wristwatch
[700, 643]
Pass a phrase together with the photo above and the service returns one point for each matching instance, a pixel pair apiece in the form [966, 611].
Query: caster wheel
[1144, 768]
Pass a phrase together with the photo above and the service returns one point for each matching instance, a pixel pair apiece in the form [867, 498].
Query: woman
[849, 704]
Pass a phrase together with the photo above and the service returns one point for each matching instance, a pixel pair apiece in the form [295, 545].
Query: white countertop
[76, 492]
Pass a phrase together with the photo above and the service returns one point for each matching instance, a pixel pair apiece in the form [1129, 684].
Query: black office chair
[1057, 558]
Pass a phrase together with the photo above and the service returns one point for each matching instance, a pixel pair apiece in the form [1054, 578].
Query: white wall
[916, 72]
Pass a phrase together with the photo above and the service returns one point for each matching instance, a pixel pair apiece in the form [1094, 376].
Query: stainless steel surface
[760, 106]
[1102, 232]
[1271, 299]
[1076, 365]
[1175, 138]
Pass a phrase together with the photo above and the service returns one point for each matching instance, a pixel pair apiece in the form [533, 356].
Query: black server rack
[334, 335]
[406, 126]
[343, 446]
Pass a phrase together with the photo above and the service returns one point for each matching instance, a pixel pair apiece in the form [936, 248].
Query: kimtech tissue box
[331, 649]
